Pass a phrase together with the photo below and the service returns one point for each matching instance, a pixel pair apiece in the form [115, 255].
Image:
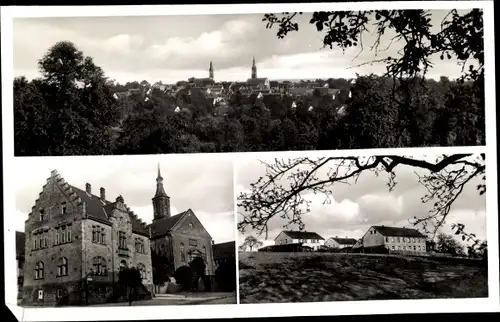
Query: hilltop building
[395, 239]
[309, 239]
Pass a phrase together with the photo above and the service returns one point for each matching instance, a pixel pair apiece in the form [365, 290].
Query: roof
[300, 91]
[100, 210]
[256, 81]
[398, 232]
[302, 235]
[224, 250]
[345, 241]
[161, 227]
[20, 243]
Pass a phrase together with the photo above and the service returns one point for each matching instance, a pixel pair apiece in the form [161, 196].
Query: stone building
[179, 238]
[76, 243]
[395, 239]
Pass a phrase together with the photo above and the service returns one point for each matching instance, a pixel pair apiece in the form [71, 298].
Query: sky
[357, 206]
[205, 187]
[173, 48]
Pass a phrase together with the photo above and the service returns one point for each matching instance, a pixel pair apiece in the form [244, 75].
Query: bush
[184, 277]
[225, 276]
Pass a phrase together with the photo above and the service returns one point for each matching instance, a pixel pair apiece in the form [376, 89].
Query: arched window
[142, 269]
[123, 264]
[99, 266]
[183, 253]
[39, 270]
[62, 267]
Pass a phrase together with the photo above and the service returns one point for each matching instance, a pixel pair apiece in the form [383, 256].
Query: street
[182, 299]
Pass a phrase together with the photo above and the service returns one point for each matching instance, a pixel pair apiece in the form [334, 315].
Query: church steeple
[254, 69]
[161, 202]
[211, 71]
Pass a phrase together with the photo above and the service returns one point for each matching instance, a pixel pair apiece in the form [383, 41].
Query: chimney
[103, 194]
[88, 188]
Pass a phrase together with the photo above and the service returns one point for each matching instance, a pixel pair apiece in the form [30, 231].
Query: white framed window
[40, 294]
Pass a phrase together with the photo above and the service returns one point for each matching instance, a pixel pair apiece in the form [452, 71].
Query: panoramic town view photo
[362, 228]
[248, 82]
[102, 231]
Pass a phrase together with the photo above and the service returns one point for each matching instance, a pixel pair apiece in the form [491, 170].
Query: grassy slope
[312, 277]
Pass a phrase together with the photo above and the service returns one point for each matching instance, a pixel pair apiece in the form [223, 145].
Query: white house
[306, 238]
[395, 239]
[336, 242]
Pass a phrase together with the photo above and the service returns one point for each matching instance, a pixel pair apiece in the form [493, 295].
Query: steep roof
[345, 241]
[302, 235]
[161, 227]
[398, 232]
[256, 81]
[20, 243]
[224, 250]
[100, 210]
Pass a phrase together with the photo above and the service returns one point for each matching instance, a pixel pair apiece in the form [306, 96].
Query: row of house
[392, 239]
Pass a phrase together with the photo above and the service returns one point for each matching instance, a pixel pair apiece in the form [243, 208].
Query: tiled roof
[20, 243]
[398, 232]
[256, 81]
[224, 250]
[300, 91]
[345, 241]
[100, 210]
[161, 227]
[302, 235]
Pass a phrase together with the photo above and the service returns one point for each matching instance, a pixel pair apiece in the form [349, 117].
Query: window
[204, 249]
[386, 239]
[39, 270]
[393, 247]
[63, 234]
[183, 253]
[99, 266]
[63, 208]
[40, 294]
[123, 264]
[191, 226]
[412, 240]
[404, 247]
[41, 240]
[414, 247]
[59, 292]
[139, 245]
[122, 240]
[98, 234]
[62, 268]
[42, 214]
[142, 269]
[193, 242]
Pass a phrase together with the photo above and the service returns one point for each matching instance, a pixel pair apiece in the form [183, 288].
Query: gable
[189, 224]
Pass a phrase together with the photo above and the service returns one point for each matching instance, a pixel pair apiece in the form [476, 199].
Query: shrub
[184, 277]
[225, 276]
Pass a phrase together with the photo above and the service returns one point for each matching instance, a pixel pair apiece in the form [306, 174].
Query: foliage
[447, 244]
[130, 277]
[225, 276]
[281, 191]
[198, 266]
[161, 268]
[251, 242]
[184, 277]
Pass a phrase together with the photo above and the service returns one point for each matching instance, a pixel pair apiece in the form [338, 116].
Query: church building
[179, 238]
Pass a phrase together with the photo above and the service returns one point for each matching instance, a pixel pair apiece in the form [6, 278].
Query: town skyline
[134, 178]
[154, 48]
[355, 207]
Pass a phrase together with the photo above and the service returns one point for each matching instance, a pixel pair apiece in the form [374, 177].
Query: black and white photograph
[137, 231]
[316, 80]
[362, 228]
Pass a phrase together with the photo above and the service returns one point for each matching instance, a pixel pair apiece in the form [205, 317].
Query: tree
[252, 242]
[281, 191]
[460, 36]
[447, 244]
[130, 280]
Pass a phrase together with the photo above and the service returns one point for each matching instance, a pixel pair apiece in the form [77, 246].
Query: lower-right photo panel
[380, 227]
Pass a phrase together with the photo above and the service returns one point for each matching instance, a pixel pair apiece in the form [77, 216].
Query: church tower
[211, 71]
[161, 202]
[254, 69]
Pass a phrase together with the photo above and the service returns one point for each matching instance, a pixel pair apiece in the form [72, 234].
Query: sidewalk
[194, 296]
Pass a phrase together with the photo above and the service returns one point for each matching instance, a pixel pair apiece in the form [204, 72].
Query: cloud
[173, 48]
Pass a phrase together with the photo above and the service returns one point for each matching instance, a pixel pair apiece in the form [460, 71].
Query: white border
[490, 304]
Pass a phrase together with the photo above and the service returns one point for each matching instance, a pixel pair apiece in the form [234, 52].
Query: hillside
[266, 277]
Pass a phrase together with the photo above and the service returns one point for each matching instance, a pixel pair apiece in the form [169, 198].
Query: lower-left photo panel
[124, 230]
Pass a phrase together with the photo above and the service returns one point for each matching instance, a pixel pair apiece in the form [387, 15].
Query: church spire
[211, 71]
[161, 202]
[254, 69]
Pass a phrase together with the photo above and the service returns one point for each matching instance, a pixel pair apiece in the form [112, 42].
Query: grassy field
[266, 277]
